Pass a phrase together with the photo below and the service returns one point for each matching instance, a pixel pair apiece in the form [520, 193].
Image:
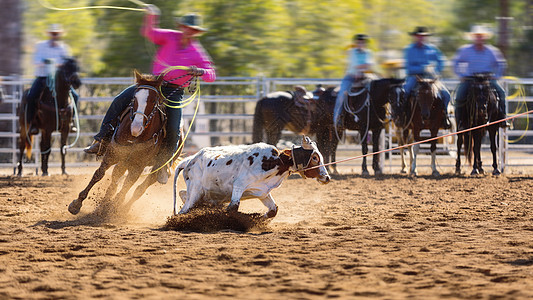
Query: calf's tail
[182, 164]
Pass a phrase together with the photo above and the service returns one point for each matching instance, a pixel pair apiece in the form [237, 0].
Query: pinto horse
[365, 111]
[281, 110]
[53, 113]
[134, 145]
[427, 112]
[481, 106]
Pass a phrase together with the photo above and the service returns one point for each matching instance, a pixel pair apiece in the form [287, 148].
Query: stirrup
[97, 147]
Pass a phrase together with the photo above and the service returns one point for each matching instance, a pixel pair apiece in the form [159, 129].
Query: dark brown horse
[426, 111]
[365, 111]
[281, 110]
[481, 106]
[134, 145]
[54, 113]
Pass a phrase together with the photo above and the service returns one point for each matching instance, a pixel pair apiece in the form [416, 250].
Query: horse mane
[148, 79]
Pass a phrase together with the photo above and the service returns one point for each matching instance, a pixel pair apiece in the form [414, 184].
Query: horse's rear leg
[458, 160]
[22, 147]
[494, 150]
[376, 135]
[64, 137]
[46, 146]
[364, 146]
[477, 165]
[76, 204]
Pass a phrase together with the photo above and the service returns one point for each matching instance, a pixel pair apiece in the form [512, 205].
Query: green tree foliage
[276, 38]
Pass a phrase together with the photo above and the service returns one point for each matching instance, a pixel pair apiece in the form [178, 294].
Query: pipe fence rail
[226, 116]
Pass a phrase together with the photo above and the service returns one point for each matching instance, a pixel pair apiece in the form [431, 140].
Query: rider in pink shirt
[176, 48]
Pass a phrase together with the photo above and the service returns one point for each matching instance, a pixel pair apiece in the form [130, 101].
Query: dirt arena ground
[391, 237]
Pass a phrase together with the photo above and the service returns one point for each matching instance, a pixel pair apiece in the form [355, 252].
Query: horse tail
[257, 135]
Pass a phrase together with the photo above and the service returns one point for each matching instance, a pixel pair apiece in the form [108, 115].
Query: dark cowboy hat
[420, 30]
[193, 21]
[360, 37]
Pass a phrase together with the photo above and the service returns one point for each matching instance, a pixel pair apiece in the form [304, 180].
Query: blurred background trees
[276, 38]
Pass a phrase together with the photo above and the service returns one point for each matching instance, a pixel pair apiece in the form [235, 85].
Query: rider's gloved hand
[152, 10]
[195, 71]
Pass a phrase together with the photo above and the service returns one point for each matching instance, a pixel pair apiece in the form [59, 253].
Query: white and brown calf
[235, 173]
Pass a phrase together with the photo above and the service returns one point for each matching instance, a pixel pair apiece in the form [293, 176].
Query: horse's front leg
[458, 159]
[400, 135]
[414, 149]
[364, 148]
[376, 135]
[22, 147]
[134, 172]
[139, 191]
[433, 148]
[108, 161]
[46, 149]
[494, 149]
[118, 171]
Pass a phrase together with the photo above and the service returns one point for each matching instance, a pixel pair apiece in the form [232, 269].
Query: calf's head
[308, 161]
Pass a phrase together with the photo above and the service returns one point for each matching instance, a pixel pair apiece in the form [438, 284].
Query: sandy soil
[390, 237]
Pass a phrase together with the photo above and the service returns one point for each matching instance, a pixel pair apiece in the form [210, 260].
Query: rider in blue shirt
[479, 58]
[424, 60]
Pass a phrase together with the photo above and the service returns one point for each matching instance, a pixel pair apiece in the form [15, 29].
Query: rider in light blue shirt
[479, 58]
[424, 60]
[360, 61]
[48, 54]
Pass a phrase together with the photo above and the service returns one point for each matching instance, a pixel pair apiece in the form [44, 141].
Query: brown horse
[424, 110]
[54, 113]
[481, 106]
[134, 145]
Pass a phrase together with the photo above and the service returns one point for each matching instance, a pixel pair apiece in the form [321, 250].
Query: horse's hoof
[403, 172]
[481, 171]
[474, 173]
[45, 174]
[435, 173]
[365, 173]
[496, 172]
[75, 206]
[378, 173]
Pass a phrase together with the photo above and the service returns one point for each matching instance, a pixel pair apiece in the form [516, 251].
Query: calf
[232, 173]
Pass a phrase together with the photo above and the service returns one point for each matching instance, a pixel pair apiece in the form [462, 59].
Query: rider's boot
[101, 140]
[33, 129]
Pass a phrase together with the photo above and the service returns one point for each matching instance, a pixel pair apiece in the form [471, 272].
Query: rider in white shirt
[48, 54]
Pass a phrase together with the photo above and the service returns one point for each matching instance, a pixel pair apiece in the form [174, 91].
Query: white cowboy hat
[479, 30]
[55, 28]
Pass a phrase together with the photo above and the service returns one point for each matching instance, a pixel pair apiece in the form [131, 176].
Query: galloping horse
[281, 110]
[53, 113]
[425, 110]
[134, 145]
[481, 106]
[364, 111]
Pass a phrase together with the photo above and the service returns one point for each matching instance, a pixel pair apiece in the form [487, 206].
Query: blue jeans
[345, 85]
[121, 102]
[410, 83]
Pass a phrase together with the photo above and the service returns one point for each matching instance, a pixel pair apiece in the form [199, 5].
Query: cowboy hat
[420, 30]
[360, 37]
[193, 21]
[55, 28]
[479, 30]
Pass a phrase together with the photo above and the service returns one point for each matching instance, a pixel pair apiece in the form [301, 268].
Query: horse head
[145, 102]
[425, 95]
[485, 101]
[69, 72]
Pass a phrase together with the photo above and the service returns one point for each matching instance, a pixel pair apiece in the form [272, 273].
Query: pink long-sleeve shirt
[170, 53]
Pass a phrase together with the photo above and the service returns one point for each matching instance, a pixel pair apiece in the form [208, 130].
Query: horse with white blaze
[223, 174]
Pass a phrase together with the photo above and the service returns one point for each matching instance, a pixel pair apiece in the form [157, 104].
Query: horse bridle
[154, 109]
